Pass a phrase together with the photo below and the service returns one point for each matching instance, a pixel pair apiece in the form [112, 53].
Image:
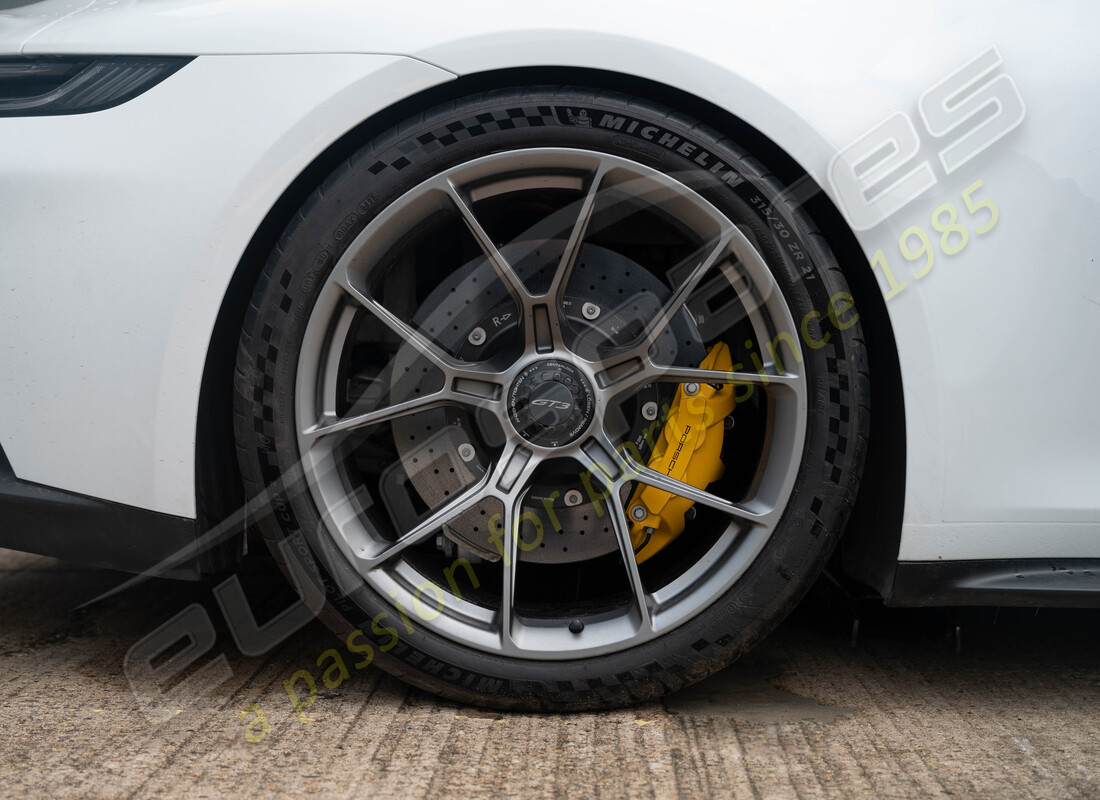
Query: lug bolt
[573, 498]
[691, 389]
[590, 310]
[466, 452]
[639, 512]
[477, 336]
[649, 411]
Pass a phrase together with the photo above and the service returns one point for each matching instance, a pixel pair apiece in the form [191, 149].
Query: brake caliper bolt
[639, 512]
[590, 310]
[649, 411]
[576, 626]
[691, 389]
[476, 337]
[466, 452]
[573, 498]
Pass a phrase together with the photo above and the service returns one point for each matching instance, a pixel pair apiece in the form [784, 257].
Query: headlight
[37, 86]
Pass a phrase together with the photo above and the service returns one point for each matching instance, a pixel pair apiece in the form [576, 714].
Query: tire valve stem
[576, 626]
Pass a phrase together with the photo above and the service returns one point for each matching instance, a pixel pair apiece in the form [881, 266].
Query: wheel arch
[869, 548]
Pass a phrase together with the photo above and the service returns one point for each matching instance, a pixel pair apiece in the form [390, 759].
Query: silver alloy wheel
[485, 386]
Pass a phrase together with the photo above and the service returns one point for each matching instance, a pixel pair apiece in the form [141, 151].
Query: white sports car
[554, 351]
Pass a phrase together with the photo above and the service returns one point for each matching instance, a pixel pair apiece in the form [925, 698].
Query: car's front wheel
[565, 400]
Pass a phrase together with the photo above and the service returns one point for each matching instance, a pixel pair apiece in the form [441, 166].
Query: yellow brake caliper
[688, 449]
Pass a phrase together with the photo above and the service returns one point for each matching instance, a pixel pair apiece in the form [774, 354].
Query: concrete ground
[901, 714]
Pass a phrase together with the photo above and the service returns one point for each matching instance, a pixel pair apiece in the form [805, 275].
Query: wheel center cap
[551, 403]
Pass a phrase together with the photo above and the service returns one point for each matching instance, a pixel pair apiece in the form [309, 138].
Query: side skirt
[1051, 582]
[75, 527]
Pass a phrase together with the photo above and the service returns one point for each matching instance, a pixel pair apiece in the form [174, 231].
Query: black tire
[798, 256]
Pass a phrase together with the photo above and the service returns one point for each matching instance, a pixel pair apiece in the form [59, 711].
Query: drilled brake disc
[443, 451]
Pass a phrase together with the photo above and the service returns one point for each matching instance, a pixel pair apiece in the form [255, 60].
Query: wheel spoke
[642, 599]
[651, 477]
[680, 297]
[465, 379]
[510, 533]
[504, 270]
[430, 526]
[542, 329]
[717, 377]
[594, 457]
[331, 425]
[512, 469]
[576, 236]
[509, 481]
[419, 342]
[597, 456]
[626, 372]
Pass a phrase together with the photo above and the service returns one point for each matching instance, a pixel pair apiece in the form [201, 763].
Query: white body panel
[120, 233]
[995, 342]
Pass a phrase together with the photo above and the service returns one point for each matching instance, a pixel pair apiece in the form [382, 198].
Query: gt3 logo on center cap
[550, 403]
[555, 404]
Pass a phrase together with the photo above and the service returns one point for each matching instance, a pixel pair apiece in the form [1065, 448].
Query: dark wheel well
[869, 549]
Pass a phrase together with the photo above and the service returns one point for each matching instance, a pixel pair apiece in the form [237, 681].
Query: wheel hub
[551, 403]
